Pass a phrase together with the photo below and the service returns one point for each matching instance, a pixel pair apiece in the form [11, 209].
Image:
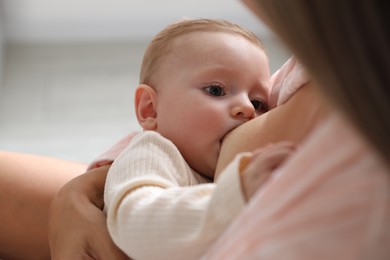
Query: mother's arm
[28, 183]
[77, 225]
[291, 121]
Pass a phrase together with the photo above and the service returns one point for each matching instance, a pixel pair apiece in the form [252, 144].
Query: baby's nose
[244, 109]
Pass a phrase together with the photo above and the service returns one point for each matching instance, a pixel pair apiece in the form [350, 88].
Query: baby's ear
[145, 107]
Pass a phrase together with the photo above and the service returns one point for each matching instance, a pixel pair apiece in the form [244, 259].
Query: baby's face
[211, 83]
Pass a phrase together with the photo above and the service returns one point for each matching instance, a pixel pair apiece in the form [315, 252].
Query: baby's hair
[161, 44]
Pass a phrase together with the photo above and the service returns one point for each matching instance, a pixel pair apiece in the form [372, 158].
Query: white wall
[74, 101]
[1, 49]
[68, 101]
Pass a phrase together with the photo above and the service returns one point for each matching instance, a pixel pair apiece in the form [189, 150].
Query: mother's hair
[345, 47]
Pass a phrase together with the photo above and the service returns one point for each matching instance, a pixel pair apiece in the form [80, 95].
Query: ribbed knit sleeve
[159, 208]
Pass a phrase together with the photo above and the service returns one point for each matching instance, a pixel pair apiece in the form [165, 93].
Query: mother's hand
[77, 224]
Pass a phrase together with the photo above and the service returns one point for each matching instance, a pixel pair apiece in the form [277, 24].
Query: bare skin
[299, 115]
[80, 203]
[27, 186]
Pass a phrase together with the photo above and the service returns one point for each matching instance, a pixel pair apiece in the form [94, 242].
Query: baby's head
[199, 80]
[162, 44]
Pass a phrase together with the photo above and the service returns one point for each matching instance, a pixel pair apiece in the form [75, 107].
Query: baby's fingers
[271, 157]
[262, 165]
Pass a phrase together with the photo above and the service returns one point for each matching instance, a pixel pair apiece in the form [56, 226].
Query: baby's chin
[208, 173]
[205, 163]
[207, 170]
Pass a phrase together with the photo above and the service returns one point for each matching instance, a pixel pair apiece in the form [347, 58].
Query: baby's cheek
[206, 122]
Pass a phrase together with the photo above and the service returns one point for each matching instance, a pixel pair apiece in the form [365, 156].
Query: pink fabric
[331, 200]
[108, 156]
[286, 81]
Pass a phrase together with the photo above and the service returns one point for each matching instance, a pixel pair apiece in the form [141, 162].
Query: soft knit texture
[159, 208]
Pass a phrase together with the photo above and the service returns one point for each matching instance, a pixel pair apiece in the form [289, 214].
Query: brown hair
[344, 44]
[161, 44]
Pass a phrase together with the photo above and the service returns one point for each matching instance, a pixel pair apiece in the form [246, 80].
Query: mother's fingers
[77, 224]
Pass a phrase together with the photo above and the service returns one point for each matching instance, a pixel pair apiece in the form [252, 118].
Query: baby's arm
[157, 208]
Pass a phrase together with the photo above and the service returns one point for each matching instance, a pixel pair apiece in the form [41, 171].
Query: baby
[199, 80]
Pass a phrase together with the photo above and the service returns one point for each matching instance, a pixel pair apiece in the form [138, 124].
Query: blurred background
[68, 69]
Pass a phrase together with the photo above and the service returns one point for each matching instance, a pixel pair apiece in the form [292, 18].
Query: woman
[331, 200]
[341, 70]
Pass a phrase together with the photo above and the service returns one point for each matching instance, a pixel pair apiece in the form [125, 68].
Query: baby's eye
[260, 106]
[215, 90]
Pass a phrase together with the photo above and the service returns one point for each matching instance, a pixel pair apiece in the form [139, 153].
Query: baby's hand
[255, 171]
